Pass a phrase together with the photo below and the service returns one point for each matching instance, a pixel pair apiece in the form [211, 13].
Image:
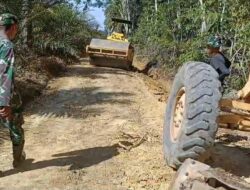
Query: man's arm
[6, 74]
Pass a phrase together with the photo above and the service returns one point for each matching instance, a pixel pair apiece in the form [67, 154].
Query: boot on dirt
[18, 155]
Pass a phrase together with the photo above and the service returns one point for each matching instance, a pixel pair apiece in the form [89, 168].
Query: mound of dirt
[32, 78]
[157, 78]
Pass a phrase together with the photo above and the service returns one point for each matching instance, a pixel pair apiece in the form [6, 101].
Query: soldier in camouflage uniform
[10, 100]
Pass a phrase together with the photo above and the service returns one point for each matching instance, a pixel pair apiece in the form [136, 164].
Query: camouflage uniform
[9, 95]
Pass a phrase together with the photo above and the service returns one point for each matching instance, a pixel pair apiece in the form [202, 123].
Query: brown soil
[33, 75]
[101, 128]
[93, 128]
[232, 149]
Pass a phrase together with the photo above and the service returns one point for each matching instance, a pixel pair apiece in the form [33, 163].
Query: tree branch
[50, 3]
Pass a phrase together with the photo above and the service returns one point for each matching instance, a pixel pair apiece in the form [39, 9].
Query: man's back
[218, 62]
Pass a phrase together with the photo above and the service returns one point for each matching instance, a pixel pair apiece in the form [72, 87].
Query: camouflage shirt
[6, 71]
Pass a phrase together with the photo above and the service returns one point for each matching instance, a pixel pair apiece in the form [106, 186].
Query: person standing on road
[10, 100]
[217, 59]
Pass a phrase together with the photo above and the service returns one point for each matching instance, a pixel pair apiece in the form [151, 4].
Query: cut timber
[235, 104]
[237, 112]
[244, 93]
[242, 121]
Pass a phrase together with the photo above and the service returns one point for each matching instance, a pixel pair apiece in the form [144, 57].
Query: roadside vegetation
[56, 27]
[171, 32]
[52, 34]
[165, 32]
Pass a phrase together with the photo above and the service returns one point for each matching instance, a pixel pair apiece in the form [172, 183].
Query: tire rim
[177, 118]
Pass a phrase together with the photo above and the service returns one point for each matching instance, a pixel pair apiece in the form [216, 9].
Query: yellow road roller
[115, 51]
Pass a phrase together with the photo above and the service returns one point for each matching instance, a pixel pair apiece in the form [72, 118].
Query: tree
[178, 29]
[52, 26]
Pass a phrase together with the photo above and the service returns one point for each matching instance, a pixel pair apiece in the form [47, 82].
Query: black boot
[18, 155]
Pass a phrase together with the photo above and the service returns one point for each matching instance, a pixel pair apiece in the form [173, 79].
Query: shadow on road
[235, 160]
[76, 102]
[77, 160]
[94, 72]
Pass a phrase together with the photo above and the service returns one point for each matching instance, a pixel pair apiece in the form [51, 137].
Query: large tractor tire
[192, 109]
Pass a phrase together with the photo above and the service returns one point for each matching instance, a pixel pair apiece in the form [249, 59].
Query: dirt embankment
[33, 74]
[157, 79]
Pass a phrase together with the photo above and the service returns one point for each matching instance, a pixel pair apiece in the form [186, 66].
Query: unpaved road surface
[101, 129]
[92, 129]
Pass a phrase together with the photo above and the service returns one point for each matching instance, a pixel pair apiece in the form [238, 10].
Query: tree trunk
[203, 24]
[26, 28]
[222, 15]
[156, 6]
[125, 12]
[179, 25]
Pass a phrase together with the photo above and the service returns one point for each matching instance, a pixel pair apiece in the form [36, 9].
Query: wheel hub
[177, 118]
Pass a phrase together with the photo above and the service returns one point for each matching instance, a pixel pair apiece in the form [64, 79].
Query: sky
[98, 14]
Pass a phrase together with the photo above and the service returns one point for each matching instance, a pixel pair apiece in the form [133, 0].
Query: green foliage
[11, 6]
[175, 31]
[52, 26]
[61, 30]
[126, 9]
[192, 50]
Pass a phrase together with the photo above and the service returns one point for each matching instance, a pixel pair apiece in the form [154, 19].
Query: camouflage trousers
[17, 137]
[15, 128]
[15, 125]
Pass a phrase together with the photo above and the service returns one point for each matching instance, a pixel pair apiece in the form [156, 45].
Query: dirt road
[101, 129]
[93, 128]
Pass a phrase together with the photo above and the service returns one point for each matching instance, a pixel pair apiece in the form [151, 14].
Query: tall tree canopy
[175, 31]
[57, 26]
